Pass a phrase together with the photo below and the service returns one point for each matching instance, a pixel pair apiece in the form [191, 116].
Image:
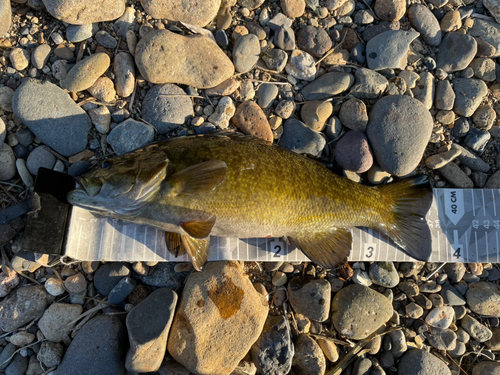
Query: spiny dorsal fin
[197, 249]
[328, 249]
[198, 178]
[174, 244]
[199, 228]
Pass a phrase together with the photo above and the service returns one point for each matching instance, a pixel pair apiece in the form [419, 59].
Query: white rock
[223, 113]
[362, 278]
[440, 317]
[54, 287]
[301, 66]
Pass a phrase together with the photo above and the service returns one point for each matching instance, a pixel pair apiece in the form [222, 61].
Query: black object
[45, 229]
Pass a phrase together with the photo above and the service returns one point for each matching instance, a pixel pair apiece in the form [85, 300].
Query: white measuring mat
[464, 223]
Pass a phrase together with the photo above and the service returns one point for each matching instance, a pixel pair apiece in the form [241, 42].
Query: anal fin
[197, 250]
[174, 243]
[328, 249]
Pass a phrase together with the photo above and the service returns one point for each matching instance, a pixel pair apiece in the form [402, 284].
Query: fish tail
[405, 221]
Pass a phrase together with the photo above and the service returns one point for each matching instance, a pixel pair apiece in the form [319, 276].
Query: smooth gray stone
[421, 362]
[167, 113]
[451, 296]
[130, 135]
[300, 138]
[369, 84]
[469, 95]
[99, 348]
[445, 96]
[472, 161]
[328, 85]
[456, 51]
[488, 32]
[50, 113]
[455, 176]
[389, 49]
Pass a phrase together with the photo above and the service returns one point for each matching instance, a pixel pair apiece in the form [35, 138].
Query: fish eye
[106, 164]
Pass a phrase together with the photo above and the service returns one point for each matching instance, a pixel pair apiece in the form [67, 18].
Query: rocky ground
[374, 89]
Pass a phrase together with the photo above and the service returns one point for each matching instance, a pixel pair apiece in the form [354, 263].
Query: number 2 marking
[277, 253]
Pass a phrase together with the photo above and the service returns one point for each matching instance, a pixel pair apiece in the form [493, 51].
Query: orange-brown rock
[219, 318]
[251, 120]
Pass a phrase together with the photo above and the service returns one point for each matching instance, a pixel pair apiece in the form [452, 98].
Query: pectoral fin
[198, 178]
[328, 249]
[197, 249]
[174, 243]
[199, 228]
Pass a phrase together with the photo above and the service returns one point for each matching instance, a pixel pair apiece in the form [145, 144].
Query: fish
[230, 185]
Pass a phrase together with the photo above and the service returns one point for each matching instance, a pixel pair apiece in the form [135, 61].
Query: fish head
[120, 186]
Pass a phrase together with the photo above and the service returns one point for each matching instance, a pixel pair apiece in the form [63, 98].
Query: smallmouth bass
[235, 186]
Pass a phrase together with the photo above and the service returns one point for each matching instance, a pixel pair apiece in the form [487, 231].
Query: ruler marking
[473, 203]
[487, 248]
[484, 203]
[497, 248]
[494, 202]
[477, 249]
[378, 252]
[439, 250]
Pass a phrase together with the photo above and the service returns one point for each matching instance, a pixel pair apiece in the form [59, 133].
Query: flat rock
[328, 85]
[469, 94]
[273, 352]
[79, 33]
[440, 317]
[484, 298]
[54, 323]
[85, 72]
[487, 31]
[130, 135]
[309, 358]
[315, 113]
[246, 53]
[5, 17]
[310, 297]
[476, 330]
[421, 362]
[486, 368]
[103, 89]
[399, 130]
[450, 295]
[148, 341]
[301, 139]
[441, 339]
[6, 98]
[425, 89]
[301, 65]
[456, 51]
[218, 300]
[164, 112]
[53, 116]
[85, 12]
[198, 13]
[98, 348]
[22, 306]
[108, 275]
[445, 96]
[369, 84]
[251, 120]
[159, 59]
[293, 8]
[358, 311]
[422, 19]
[7, 162]
[389, 49]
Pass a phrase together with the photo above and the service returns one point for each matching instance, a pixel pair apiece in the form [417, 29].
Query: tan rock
[251, 120]
[54, 323]
[85, 12]
[198, 13]
[20, 58]
[165, 57]
[219, 318]
[493, 344]
[390, 10]
[440, 160]
[309, 358]
[338, 57]
[86, 72]
[330, 350]
[451, 21]
[103, 90]
[315, 113]
[293, 8]
[5, 17]
[225, 88]
[124, 69]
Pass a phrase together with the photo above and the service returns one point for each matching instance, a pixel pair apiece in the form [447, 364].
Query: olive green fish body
[231, 186]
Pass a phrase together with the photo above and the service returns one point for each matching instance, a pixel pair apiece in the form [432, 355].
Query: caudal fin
[405, 223]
